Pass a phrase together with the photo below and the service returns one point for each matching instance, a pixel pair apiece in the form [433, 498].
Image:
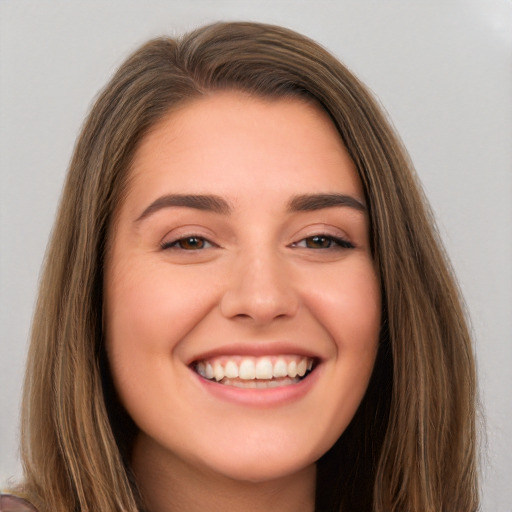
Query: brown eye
[319, 242]
[188, 243]
[191, 243]
[324, 242]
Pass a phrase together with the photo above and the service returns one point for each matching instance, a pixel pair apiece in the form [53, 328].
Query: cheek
[152, 304]
[348, 305]
[148, 312]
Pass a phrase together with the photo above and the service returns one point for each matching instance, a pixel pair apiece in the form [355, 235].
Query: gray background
[441, 68]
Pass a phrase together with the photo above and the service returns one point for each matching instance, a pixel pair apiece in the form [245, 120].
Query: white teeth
[231, 370]
[280, 368]
[264, 368]
[218, 372]
[302, 367]
[247, 369]
[209, 371]
[292, 369]
[250, 369]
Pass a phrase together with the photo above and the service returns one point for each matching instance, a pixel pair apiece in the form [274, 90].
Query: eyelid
[171, 239]
[174, 244]
[339, 242]
[323, 230]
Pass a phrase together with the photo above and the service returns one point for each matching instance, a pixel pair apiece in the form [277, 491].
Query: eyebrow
[311, 202]
[216, 204]
[210, 203]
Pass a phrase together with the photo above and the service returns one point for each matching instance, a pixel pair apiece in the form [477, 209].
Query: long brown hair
[411, 445]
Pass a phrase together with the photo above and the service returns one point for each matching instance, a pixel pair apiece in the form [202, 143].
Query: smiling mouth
[255, 372]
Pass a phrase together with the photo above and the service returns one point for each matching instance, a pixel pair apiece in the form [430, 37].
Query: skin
[251, 280]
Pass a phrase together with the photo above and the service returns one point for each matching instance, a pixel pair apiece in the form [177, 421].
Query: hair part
[411, 445]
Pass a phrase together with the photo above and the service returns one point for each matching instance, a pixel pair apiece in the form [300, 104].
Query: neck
[174, 486]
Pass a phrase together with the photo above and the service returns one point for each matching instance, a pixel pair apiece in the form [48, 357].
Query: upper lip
[255, 350]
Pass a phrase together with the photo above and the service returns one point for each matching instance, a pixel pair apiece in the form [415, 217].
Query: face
[242, 304]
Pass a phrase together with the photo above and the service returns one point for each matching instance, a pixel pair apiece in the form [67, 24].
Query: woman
[245, 305]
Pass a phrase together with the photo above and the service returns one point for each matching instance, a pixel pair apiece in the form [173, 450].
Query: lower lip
[256, 397]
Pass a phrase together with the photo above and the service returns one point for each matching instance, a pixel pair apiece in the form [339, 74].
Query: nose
[260, 289]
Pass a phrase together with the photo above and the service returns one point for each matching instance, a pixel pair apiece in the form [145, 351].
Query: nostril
[258, 307]
[242, 315]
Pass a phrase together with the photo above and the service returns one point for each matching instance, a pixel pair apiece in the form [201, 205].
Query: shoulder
[10, 503]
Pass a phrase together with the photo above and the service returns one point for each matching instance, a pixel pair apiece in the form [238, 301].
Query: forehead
[231, 143]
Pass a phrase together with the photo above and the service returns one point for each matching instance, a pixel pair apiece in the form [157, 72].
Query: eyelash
[178, 244]
[332, 242]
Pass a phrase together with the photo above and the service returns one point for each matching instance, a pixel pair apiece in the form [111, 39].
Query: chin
[260, 466]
